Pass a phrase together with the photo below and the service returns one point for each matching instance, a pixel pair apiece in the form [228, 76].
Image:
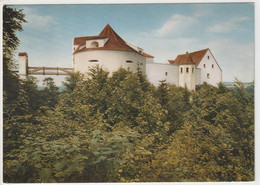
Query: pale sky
[162, 30]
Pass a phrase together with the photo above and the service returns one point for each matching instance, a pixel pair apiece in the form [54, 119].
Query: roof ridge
[200, 50]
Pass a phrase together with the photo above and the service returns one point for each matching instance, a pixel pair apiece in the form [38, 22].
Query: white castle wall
[215, 73]
[197, 76]
[156, 72]
[149, 60]
[110, 60]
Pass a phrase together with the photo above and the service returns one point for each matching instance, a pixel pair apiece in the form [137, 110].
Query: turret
[187, 72]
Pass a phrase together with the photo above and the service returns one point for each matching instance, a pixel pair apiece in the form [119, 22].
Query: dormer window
[94, 44]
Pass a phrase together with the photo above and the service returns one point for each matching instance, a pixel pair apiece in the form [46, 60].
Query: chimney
[23, 65]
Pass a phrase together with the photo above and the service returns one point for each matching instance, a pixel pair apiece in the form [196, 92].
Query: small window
[207, 75]
[129, 61]
[208, 57]
[166, 73]
[93, 60]
[212, 65]
[181, 70]
[204, 65]
[187, 70]
[193, 70]
[141, 64]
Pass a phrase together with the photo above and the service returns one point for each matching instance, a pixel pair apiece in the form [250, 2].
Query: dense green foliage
[120, 128]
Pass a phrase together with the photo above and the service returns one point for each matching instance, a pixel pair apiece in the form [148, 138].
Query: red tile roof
[23, 54]
[115, 42]
[189, 58]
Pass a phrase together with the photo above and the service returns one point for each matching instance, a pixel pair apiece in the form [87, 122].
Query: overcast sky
[162, 30]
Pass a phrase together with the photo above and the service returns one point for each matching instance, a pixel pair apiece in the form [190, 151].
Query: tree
[12, 22]
[176, 103]
[214, 144]
[73, 81]
[50, 94]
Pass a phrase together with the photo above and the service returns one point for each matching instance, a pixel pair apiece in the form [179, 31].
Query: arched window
[187, 69]
[181, 70]
[94, 44]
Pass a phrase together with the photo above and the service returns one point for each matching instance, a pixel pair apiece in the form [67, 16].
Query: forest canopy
[120, 128]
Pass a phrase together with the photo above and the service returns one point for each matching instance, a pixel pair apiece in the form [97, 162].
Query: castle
[111, 52]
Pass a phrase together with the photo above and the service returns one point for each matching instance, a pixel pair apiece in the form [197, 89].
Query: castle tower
[23, 64]
[187, 70]
[108, 50]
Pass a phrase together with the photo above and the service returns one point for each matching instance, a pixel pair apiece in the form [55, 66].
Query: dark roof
[23, 54]
[115, 42]
[189, 58]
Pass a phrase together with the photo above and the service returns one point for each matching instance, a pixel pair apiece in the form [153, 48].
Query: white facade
[201, 67]
[211, 73]
[197, 76]
[149, 60]
[187, 76]
[110, 60]
[184, 75]
[157, 72]
[110, 51]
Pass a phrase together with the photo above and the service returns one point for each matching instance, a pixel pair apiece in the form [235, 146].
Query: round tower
[108, 50]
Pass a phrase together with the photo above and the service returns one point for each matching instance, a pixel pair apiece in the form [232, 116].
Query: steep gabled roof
[190, 58]
[115, 42]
